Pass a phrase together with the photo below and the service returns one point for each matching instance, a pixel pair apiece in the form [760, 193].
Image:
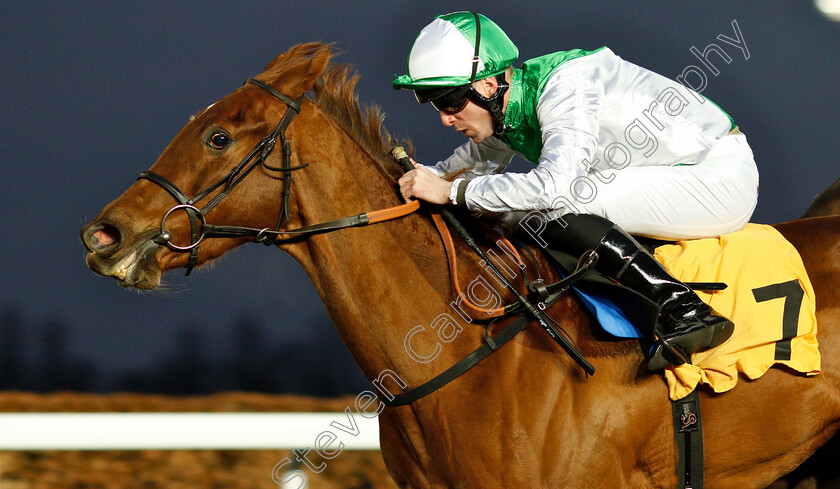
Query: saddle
[775, 317]
[768, 295]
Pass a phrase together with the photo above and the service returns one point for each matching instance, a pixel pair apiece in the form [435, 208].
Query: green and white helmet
[444, 52]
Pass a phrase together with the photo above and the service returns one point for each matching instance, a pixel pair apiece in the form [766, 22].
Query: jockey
[618, 149]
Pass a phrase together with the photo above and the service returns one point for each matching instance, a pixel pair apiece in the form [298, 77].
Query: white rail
[186, 431]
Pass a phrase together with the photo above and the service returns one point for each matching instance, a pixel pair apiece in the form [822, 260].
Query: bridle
[256, 157]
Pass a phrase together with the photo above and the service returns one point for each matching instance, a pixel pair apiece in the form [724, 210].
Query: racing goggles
[449, 100]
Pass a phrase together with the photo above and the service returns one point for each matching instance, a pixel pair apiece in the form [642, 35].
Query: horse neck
[381, 281]
[377, 282]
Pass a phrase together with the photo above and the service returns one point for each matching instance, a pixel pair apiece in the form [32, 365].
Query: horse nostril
[102, 237]
[107, 235]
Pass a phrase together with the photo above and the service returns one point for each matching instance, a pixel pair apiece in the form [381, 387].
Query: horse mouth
[135, 267]
[123, 267]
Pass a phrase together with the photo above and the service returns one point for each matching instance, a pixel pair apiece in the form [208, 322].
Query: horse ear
[317, 64]
[300, 67]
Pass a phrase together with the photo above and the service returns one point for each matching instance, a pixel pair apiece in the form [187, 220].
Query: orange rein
[393, 212]
[471, 309]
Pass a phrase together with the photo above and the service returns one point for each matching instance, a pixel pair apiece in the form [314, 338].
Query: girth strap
[688, 433]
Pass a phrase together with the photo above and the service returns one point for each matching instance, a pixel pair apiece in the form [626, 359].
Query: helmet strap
[494, 104]
[498, 116]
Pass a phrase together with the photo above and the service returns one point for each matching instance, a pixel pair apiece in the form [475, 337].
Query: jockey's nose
[447, 119]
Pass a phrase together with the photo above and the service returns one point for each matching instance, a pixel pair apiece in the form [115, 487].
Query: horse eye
[218, 140]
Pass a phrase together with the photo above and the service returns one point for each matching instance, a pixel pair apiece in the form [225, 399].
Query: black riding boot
[687, 323]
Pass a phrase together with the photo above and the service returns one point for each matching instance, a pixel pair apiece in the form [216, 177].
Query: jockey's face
[473, 121]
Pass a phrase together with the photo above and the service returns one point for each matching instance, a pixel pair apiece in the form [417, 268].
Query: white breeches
[715, 196]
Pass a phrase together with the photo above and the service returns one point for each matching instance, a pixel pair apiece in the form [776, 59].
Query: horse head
[159, 222]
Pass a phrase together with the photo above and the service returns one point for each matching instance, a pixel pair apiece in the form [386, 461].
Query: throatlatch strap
[688, 431]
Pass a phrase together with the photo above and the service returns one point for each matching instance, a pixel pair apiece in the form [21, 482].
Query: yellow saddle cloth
[769, 298]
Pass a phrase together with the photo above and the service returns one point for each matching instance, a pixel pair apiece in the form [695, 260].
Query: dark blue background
[93, 91]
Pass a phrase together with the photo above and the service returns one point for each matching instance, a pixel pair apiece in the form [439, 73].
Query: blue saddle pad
[609, 316]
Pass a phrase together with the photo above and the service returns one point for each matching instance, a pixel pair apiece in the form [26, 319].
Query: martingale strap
[455, 371]
[490, 345]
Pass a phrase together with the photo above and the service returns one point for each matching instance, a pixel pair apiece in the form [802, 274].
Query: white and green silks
[613, 139]
[608, 137]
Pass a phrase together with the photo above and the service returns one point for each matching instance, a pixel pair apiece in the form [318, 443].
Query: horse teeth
[122, 269]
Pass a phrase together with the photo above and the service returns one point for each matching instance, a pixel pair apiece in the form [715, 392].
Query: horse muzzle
[113, 253]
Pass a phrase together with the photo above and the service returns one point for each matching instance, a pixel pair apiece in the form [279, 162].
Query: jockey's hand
[422, 184]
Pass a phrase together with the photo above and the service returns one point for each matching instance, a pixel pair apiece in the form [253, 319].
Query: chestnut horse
[827, 203]
[527, 416]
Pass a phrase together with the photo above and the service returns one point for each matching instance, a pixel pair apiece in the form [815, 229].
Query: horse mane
[335, 93]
